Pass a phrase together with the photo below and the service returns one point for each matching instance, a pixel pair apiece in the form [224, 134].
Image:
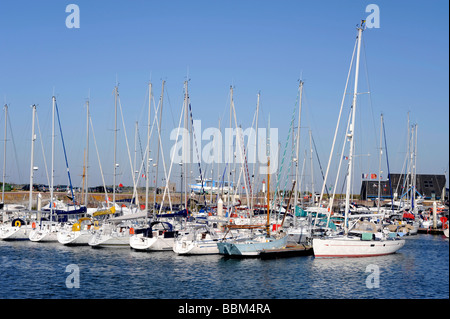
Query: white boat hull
[74, 237]
[354, 247]
[15, 233]
[44, 235]
[140, 242]
[109, 241]
[201, 247]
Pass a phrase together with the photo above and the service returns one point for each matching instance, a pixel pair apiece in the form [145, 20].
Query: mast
[147, 168]
[159, 143]
[268, 177]
[350, 134]
[313, 195]
[87, 155]
[298, 144]
[268, 197]
[256, 152]
[413, 197]
[33, 138]
[231, 153]
[379, 165]
[53, 157]
[186, 145]
[115, 143]
[4, 155]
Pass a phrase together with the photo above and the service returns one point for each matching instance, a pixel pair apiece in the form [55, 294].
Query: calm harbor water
[420, 270]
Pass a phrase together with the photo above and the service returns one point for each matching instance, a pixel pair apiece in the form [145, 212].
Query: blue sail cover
[80, 210]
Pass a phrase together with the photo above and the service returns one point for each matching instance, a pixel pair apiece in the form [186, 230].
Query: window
[428, 184]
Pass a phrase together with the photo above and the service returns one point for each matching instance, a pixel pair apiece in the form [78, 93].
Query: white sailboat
[15, 225]
[79, 234]
[202, 239]
[17, 229]
[347, 245]
[160, 236]
[46, 230]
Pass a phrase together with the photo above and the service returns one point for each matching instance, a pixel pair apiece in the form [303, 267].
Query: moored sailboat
[367, 243]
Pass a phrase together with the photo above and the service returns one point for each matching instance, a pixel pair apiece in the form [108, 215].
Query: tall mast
[159, 142]
[350, 134]
[147, 168]
[87, 155]
[4, 155]
[413, 197]
[185, 143]
[33, 138]
[379, 165]
[256, 152]
[53, 156]
[268, 177]
[115, 143]
[268, 197]
[312, 168]
[298, 144]
[231, 151]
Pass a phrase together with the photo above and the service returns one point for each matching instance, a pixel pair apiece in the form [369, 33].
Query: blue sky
[256, 46]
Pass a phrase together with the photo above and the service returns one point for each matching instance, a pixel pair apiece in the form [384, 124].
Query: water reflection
[419, 270]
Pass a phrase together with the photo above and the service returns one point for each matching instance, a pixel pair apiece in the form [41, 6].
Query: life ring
[18, 223]
[76, 227]
[445, 226]
[33, 225]
[131, 231]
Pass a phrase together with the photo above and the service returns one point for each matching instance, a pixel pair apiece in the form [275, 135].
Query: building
[428, 186]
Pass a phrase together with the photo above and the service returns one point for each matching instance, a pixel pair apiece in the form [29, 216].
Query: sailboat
[259, 239]
[348, 245]
[15, 223]
[79, 234]
[47, 228]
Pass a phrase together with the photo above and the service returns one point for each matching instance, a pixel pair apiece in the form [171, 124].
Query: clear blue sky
[256, 46]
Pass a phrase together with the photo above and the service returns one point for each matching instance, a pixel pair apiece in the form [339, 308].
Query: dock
[288, 251]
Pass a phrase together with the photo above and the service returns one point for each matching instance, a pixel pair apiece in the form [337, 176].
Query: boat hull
[151, 243]
[45, 235]
[109, 241]
[250, 247]
[15, 233]
[203, 247]
[354, 247]
[74, 238]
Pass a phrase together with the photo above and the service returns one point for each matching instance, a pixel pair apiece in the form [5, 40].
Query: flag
[345, 157]
[373, 176]
[364, 176]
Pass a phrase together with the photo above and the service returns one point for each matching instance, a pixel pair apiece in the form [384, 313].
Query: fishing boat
[348, 244]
